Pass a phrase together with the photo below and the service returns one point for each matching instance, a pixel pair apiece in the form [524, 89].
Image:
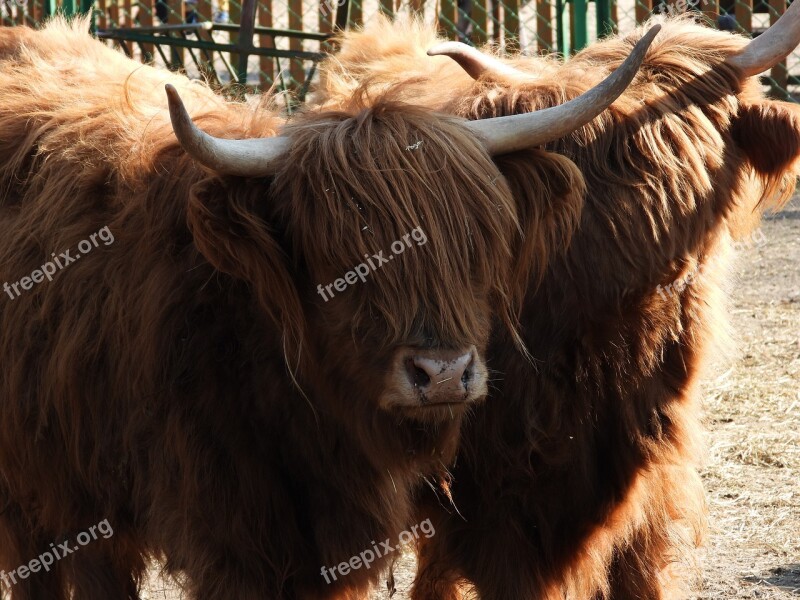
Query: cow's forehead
[379, 174]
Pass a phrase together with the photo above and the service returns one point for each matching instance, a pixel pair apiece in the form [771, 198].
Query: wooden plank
[108, 13]
[27, 13]
[711, 11]
[417, 7]
[266, 64]
[296, 23]
[644, 9]
[779, 72]
[386, 7]
[480, 22]
[37, 10]
[511, 25]
[544, 26]
[448, 17]
[496, 22]
[127, 13]
[145, 16]
[356, 13]
[205, 10]
[615, 15]
[743, 11]
[326, 14]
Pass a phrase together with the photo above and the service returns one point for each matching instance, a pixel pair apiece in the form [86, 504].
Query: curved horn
[475, 62]
[772, 46]
[517, 132]
[245, 158]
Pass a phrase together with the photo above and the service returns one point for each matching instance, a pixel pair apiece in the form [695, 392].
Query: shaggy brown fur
[577, 477]
[186, 382]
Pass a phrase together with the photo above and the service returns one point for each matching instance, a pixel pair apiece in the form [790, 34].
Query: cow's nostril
[418, 376]
[466, 378]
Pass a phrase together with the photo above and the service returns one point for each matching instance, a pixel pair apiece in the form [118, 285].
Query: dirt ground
[753, 418]
[752, 413]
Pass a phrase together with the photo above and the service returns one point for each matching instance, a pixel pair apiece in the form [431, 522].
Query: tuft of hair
[372, 59]
[387, 170]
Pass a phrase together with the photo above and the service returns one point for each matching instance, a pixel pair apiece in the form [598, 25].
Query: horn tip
[643, 45]
[176, 107]
[446, 48]
[172, 93]
[437, 50]
[652, 32]
[181, 122]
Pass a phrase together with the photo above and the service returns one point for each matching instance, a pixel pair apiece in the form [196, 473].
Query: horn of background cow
[772, 46]
[245, 158]
[517, 132]
[475, 62]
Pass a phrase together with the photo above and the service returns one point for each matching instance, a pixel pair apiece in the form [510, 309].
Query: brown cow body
[577, 477]
[186, 382]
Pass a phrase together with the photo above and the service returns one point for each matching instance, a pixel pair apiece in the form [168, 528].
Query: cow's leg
[482, 557]
[655, 563]
[635, 573]
[650, 568]
[436, 578]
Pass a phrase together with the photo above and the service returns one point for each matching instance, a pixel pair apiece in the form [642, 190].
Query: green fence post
[68, 7]
[561, 39]
[579, 25]
[87, 6]
[49, 8]
[605, 24]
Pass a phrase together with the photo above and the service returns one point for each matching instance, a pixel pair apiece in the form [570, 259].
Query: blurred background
[246, 46]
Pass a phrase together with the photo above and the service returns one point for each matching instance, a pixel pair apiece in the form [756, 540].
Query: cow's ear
[550, 191]
[768, 133]
[229, 231]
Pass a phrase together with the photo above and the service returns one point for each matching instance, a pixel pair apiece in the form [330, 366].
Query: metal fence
[240, 46]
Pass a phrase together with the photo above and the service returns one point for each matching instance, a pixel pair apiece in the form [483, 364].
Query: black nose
[442, 376]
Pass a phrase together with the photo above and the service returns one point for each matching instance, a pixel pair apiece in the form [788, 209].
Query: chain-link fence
[276, 43]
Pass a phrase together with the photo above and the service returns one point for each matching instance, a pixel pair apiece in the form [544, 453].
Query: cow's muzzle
[435, 379]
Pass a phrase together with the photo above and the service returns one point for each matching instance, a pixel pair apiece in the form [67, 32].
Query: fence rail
[247, 44]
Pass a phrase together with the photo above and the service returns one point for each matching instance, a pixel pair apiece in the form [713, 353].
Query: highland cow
[577, 478]
[176, 374]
